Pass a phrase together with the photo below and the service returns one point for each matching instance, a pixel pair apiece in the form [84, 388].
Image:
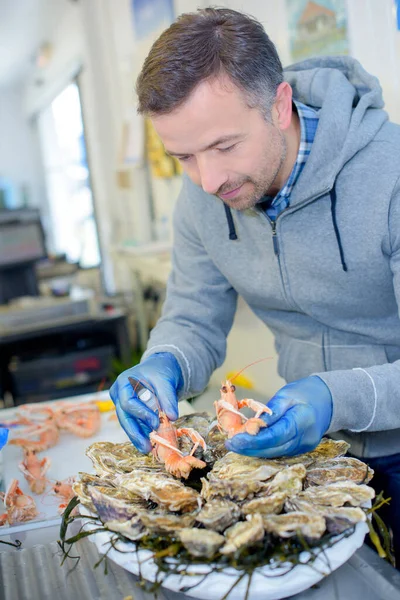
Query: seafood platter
[198, 519]
[45, 452]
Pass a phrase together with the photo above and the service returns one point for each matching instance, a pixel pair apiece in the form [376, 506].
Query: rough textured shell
[201, 542]
[266, 505]
[218, 514]
[311, 526]
[344, 468]
[243, 533]
[234, 465]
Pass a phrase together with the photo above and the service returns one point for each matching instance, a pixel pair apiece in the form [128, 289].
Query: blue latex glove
[302, 412]
[3, 437]
[162, 373]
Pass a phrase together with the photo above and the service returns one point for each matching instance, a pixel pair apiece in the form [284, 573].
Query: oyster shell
[162, 522]
[243, 533]
[231, 489]
[115, 504]
[325, 450]
[85, 483]
[201, 542]
[337, 518]
[265, 505]
[133, 529]
[218, 514]
[288, 480]
[109, 458]
[340, 519]
[311, 526]
[162, 489]
[338, 494]
[343, 468]
[236, 466]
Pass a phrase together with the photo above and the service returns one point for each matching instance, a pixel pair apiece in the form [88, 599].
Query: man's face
[224, 146]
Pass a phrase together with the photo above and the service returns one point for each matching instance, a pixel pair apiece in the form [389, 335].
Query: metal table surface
[35, 573]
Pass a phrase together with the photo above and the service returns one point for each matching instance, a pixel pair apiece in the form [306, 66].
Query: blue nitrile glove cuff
[301, 414]
[162, 374]
[3, 437]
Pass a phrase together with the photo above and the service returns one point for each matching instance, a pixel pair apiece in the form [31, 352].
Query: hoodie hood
[349, 102]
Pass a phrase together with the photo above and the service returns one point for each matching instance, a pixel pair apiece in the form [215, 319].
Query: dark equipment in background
[21, 246]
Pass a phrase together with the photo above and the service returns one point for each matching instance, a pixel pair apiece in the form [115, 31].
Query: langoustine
[230, 420]
[19, 506]
[34, 470]
[166, 449]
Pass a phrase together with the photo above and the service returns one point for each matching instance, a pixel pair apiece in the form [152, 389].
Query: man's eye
[184, 158]
[228, 149]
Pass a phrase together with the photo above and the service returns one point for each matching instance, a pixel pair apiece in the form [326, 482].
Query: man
[291, 198]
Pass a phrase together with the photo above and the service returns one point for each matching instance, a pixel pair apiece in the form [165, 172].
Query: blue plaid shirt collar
[308, 126]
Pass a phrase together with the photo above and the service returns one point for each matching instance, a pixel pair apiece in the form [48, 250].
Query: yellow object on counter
[241, 380]
[105, 405]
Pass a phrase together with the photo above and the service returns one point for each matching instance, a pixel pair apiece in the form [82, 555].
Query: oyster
[343, 468]
[162, 522]
[215, 444]
[340, 519]
[243, 533]
[338, 494]
[109, 458]
[232, 489]
[325, 450]
[133, 529]
[85, 483]
[201, 542]
[113, 504]
[337, 518]
[162, 489]
[236, 466]
[218, 514]
[288, 480]
[265, 505]
[311, 526]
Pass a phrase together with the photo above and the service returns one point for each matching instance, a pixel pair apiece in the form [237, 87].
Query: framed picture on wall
[317, 28]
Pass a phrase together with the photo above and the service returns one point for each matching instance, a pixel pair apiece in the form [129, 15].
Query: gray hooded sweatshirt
[325, 278]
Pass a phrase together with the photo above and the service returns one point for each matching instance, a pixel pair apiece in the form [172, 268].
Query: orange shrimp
[230, 420]
[165, 445]
[83, 420]
[47, 433]
[64, 490]
[34, 470]
[20, 507]
[166, 450]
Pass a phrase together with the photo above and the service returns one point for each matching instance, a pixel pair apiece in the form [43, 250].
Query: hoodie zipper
[275, 238]
[275, 241]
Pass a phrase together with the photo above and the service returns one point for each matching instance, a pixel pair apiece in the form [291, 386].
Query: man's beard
[259, 185]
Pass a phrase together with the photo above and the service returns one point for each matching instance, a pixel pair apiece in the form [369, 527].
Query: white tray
[266, 583]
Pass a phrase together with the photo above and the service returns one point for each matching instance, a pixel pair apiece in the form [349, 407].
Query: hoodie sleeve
[199, 308]
[368, 399]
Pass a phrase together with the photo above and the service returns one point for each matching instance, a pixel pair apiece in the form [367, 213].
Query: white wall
[99, 35]
[19, 147]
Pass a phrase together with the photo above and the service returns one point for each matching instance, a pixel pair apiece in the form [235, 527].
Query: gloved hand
[3, 436]
[301, 414]
[162, 373]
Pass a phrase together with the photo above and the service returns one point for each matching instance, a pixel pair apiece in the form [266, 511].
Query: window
[71, 226]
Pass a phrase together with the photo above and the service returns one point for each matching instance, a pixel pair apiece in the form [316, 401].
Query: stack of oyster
[240, 499]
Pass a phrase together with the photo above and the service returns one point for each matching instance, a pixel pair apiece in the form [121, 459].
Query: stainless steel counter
[35, 573]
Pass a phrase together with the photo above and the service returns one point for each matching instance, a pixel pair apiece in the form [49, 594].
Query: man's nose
[211, 177]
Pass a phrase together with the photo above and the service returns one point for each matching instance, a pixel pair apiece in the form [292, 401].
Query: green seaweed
[172, 558]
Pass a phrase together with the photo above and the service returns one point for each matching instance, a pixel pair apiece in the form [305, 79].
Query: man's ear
[282, 107]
